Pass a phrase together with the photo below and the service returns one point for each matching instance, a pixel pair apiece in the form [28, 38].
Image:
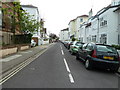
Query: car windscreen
[78, 44]
[107, 49]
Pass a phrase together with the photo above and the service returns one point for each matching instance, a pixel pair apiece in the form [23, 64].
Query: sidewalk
[11, 61]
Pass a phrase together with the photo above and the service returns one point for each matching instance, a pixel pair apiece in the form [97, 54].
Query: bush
[116, 46]
[73, 39]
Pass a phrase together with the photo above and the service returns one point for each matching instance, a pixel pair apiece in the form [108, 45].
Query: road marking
[66, 65]
[10, 58]
[70, 75]
[62, 52]
[71, 78]
[61, 47]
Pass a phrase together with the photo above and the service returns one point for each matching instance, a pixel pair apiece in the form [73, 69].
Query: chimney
[90, 13]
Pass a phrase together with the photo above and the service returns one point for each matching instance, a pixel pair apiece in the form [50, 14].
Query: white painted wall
[35, 12]
[111, 29]
[64, 35]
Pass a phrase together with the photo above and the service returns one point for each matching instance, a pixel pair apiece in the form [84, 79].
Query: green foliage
[73, 39]
[116, 46]
[25, 21]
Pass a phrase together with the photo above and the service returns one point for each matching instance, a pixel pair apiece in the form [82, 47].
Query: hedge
[116, 46]
[22, 39]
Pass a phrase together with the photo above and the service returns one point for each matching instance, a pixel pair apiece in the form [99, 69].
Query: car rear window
[78, 43]
[107, 49]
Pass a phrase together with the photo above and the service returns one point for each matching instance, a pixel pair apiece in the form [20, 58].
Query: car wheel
[88, 64]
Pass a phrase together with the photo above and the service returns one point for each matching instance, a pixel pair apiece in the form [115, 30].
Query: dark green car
[75, 46]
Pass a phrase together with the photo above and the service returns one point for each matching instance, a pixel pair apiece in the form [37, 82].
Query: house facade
[72, 28]
[32, 10]
[75, 24]
[64, 35]
[7, 29]
[104, 27]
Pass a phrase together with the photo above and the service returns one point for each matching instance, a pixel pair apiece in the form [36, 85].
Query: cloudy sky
[58, 13]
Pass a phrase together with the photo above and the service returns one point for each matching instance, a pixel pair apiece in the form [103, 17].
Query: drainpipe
[98, 40]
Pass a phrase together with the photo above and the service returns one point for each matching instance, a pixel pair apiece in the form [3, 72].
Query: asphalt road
[56, 68]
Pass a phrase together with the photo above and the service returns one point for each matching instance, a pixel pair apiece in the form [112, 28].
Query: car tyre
[88, 64]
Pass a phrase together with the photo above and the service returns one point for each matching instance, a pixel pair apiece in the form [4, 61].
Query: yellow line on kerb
[20, 67]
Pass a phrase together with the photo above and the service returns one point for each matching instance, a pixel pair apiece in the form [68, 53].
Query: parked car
[65, 43]
[33, 43]
[75, 46]
[99, 55]
[68, 44]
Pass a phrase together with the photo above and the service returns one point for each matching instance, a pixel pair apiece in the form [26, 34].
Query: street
[57, 68]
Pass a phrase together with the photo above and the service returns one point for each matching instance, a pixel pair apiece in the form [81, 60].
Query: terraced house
[104, 27]
[74, 26]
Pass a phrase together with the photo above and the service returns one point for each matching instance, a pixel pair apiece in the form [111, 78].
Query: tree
[73, 39]
[26, 22]
[21, 19]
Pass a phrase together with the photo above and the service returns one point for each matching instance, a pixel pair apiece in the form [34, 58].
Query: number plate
[110, 58]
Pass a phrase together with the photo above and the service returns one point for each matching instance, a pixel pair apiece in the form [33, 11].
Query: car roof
[99, 44]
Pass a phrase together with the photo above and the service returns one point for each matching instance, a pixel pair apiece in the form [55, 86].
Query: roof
[117, 9]
[106, 8]
[83, 16]
[78, 17]
[30, 6]
[71, 21]
[65, 29]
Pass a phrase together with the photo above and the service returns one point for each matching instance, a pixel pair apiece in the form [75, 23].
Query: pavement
[13, 60]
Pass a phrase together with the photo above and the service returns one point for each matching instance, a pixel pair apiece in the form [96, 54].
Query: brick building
[8, 27]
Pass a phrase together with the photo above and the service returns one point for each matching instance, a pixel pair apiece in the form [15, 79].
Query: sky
[58, 13]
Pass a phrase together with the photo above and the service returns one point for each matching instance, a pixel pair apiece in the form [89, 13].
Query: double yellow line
[20, 67]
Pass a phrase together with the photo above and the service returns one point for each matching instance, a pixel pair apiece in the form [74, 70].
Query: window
[94, 38]
[103, 23]
[81, 20]
[103, 38]
[84, 46]
[90, 47]
[108, 49]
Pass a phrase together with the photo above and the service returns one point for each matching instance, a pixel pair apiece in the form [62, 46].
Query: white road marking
[66, 65]
[21, 66]
[10, 58]
[71, 78]
[62, 52]
[61, 47]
